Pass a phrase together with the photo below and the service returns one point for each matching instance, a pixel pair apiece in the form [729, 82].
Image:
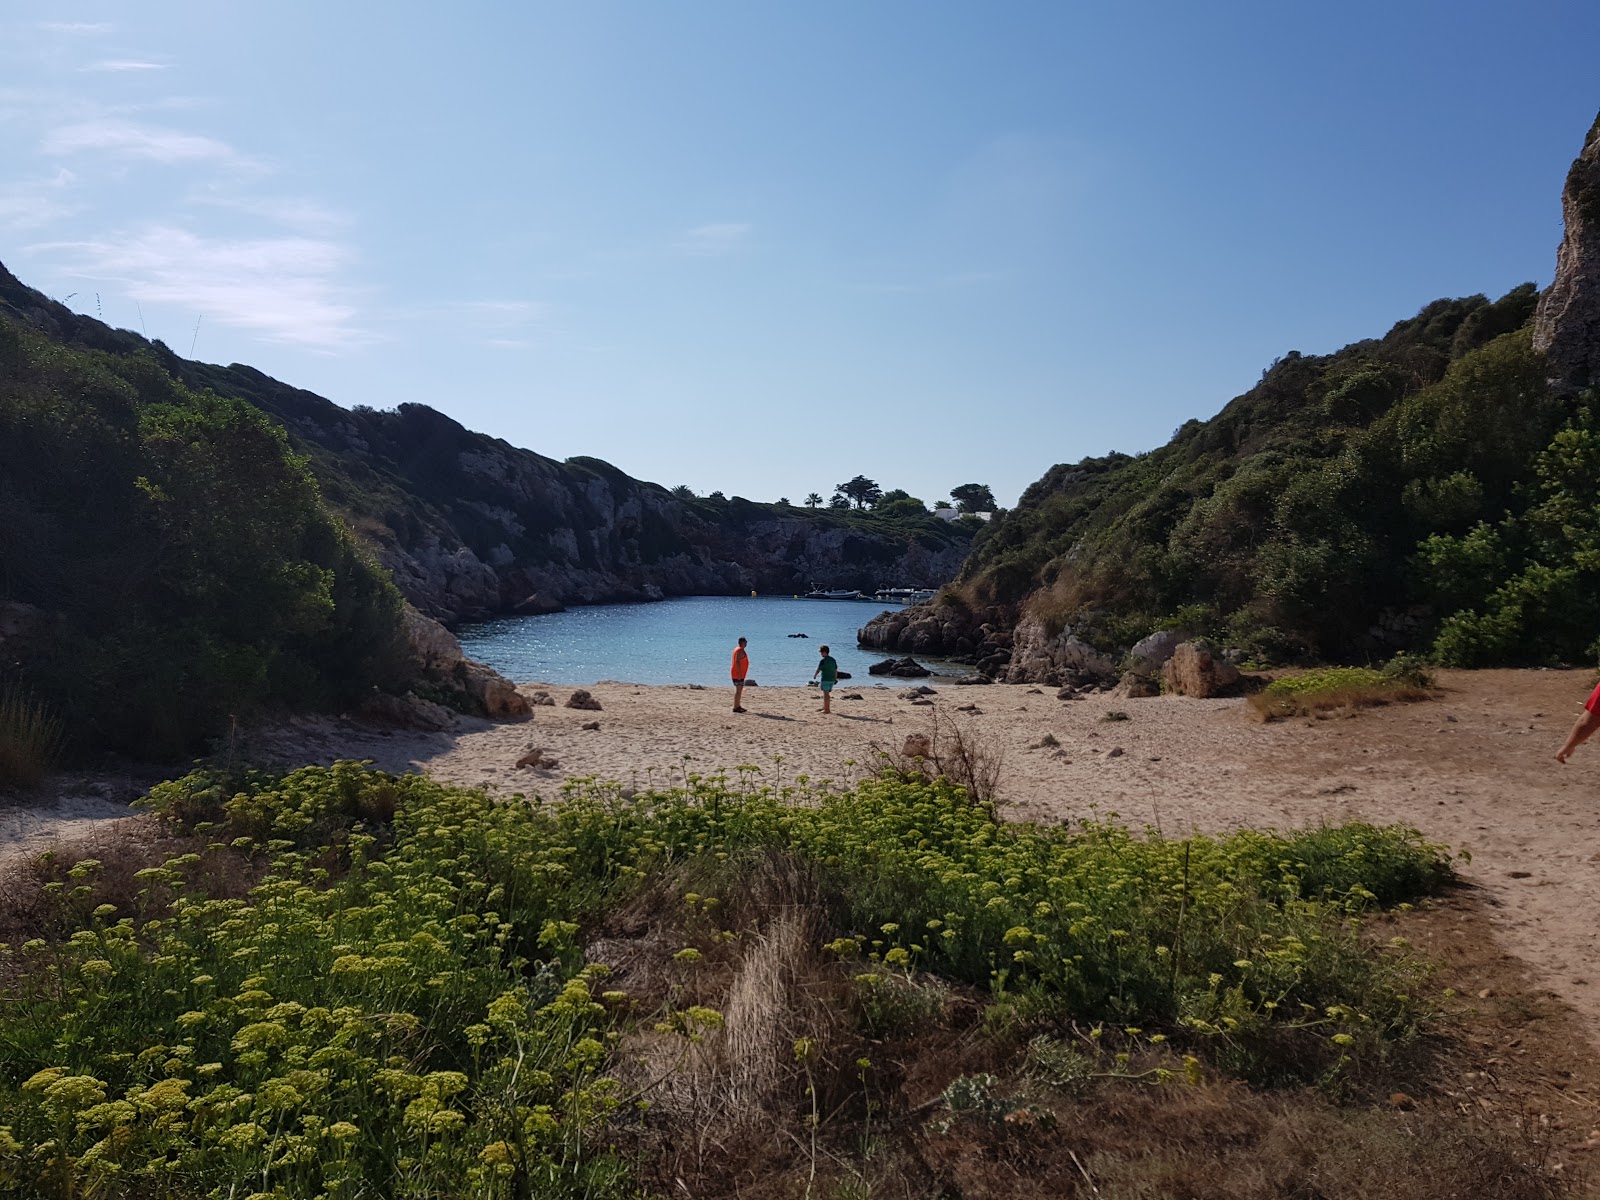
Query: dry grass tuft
[31, 738]
[963, 753]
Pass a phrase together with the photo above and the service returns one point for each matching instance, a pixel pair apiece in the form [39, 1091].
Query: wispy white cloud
[78, 27]
[124, 64]
[291, 212]
[284, 289]
[710, 241]
[35, 203]
[127, 139]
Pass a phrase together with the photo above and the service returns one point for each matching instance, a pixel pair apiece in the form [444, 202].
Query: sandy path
[1473, 770]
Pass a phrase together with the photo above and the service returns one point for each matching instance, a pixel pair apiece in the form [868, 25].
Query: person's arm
[1582, 730]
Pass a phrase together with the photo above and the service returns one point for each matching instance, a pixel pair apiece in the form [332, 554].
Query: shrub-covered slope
[468, 524]
[166, 561]
[1423, 489]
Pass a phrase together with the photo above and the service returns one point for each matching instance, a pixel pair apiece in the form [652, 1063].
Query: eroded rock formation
[1567, 324]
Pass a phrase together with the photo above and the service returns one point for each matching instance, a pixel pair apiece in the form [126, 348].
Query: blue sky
[763, 248]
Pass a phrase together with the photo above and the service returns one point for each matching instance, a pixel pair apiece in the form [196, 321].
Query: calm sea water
[688, 640]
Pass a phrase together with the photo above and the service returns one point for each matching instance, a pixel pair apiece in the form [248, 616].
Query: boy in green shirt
[829, 670]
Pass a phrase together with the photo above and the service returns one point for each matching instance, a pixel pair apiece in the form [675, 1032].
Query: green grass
[1329, 679]
[401, 1005]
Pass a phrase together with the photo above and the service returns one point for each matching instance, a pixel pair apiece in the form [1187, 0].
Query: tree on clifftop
[862, 490]
[813, 501]
[973, 497]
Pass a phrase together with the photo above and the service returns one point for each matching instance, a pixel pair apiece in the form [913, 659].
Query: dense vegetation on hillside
[176, 557]
[1420, 490]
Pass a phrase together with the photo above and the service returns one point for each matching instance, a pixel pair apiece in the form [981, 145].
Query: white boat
[834, 594]
[903, 595]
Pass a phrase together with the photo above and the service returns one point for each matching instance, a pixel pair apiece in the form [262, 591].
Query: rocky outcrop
[899, 668]
[441, 664]
[1194, 670]
[938, 628]
[1567, 324]
[1150, 654]
[1039, 656]
[1025, 653]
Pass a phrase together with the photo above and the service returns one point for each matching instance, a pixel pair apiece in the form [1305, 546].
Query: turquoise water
[688, 640]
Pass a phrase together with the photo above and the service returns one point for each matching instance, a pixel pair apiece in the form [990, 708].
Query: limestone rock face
[1193, 670]
[496, 695]
[945, 630]
[435, 647]
[1037, 657]
[1567, 324]
[442, 664]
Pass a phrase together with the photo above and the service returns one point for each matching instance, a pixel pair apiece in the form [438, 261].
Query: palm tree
[813, 501]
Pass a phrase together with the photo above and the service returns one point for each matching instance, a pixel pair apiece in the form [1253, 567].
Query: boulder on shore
[1134, 686]
[1151, 653]
[1194, 670]
[582, 699]
[900, 668]
[440, 661]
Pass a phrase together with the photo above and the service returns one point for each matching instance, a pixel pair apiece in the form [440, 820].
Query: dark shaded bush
[181, 550]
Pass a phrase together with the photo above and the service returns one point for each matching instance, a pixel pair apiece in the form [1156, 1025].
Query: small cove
[685, 640]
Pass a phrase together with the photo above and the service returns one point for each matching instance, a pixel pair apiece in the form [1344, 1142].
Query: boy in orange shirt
[741, 668]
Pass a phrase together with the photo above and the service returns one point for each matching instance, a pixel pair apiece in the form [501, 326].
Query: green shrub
[1327, 679]
[401, 1004]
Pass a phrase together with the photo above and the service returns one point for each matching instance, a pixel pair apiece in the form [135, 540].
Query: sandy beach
[1473, 769]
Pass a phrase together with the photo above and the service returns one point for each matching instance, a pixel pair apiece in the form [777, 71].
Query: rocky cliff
[1567, 327]
[470, 525]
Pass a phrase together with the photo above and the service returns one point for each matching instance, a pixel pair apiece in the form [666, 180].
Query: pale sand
[1473, 769]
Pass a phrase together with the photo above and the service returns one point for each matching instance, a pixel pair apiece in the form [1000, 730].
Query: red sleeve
[1593, 703]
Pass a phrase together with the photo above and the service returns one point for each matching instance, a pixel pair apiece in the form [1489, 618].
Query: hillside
[1436, 489]
[470, 525]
